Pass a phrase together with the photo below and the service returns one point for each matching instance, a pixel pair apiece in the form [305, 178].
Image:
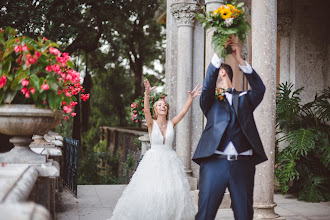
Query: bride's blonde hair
[154, 113]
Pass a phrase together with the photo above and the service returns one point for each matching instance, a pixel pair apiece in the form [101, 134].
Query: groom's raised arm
[208, 91]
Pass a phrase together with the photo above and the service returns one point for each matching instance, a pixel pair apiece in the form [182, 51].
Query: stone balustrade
[28, 191]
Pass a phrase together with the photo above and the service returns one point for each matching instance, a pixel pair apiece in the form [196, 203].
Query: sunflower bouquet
[227, 20]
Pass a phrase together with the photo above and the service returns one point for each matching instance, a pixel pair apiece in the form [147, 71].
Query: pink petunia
[73, 114]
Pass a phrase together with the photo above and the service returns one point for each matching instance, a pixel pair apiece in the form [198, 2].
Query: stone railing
[28, 191]
[121, 142]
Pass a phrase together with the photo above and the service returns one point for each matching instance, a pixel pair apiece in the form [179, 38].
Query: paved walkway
[96, 202]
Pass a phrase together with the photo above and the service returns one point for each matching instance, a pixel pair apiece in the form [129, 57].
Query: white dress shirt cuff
[216, 61]
[247, 68]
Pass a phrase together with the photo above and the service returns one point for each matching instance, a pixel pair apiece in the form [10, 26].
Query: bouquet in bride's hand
[227, 20]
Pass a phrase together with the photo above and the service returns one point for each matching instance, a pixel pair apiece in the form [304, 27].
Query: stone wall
[304, 45]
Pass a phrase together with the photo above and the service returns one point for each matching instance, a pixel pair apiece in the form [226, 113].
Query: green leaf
[6, 66]
[54, 101]
[240, 5]
[34, 80]
[9, 96]
[51, 82]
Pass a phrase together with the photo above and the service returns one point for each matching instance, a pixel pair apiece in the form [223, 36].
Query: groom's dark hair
[228, 70]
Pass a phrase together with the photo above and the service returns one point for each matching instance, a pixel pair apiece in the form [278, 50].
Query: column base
[266, 211]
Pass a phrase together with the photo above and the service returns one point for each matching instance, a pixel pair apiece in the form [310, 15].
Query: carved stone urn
[21, 122]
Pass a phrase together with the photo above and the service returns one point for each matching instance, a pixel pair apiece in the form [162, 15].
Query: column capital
[284, 25]
[184, 13]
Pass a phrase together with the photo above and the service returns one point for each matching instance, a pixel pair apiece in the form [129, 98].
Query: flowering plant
[137, 107]
[227, 20]
[220, 94]
[36, 72]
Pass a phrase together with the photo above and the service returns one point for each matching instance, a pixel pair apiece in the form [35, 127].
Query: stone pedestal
[264, 20]
[145, 144]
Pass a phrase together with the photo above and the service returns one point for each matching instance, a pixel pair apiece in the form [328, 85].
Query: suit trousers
[215, 176]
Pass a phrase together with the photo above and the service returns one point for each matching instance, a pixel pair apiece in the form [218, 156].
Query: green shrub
[306, 131]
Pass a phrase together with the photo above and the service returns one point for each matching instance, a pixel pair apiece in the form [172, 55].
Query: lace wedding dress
[159, 189]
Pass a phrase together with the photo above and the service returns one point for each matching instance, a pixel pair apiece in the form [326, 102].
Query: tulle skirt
[158, 190]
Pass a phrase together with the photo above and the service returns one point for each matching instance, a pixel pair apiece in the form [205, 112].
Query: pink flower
[27, 94]
[3, 81]
[84, 97]
[25, 82]
[24, 48]
[63, 103]
[45, 86]
[67, 94]
[32, 90]
[44, 102]
[73, 114]
[54, 51]
[45, 39]
[49, 68]
[17, 49]
[73, 104]
[56, 68]
[136, 120]
[24, 90]
[37, 54]
[67, 109]
[66, 118]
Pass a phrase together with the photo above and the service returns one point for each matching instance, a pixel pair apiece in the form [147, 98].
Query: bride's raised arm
[147, 113]
[196, 92]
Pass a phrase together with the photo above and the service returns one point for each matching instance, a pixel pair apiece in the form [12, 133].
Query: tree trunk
[85, 110]
[76, 122]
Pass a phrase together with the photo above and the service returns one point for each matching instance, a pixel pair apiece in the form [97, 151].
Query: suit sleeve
[258, 89]
[208, 91]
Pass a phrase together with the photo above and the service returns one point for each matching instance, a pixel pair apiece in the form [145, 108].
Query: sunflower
[226, 13]
[217, 11]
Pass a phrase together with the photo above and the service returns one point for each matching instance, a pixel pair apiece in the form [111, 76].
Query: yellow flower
[226, 13]
[217, 11]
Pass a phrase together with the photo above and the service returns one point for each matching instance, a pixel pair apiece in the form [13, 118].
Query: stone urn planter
[21, 122]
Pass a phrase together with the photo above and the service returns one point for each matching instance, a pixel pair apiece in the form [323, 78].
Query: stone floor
[96, 202]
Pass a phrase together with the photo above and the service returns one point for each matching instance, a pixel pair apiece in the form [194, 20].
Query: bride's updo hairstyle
[154, 113]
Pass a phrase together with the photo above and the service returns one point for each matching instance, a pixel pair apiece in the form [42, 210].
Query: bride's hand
[147, 86]
[197, 91]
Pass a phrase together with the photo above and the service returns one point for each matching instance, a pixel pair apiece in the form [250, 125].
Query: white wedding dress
[159, 189]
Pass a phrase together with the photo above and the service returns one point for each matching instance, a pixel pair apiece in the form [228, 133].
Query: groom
[230, 146]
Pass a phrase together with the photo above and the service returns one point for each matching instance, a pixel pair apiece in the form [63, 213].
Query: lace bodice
[157, 137]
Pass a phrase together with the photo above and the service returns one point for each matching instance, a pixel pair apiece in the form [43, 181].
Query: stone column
[184, 12]
[264, 17]
[284, 29]
[211, 5]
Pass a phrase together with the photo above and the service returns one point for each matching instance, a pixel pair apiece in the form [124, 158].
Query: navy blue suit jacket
[218, 116]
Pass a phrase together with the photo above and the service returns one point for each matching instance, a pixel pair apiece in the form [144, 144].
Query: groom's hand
[237, 52]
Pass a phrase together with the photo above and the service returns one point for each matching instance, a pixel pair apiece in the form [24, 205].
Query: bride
[159, 189]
